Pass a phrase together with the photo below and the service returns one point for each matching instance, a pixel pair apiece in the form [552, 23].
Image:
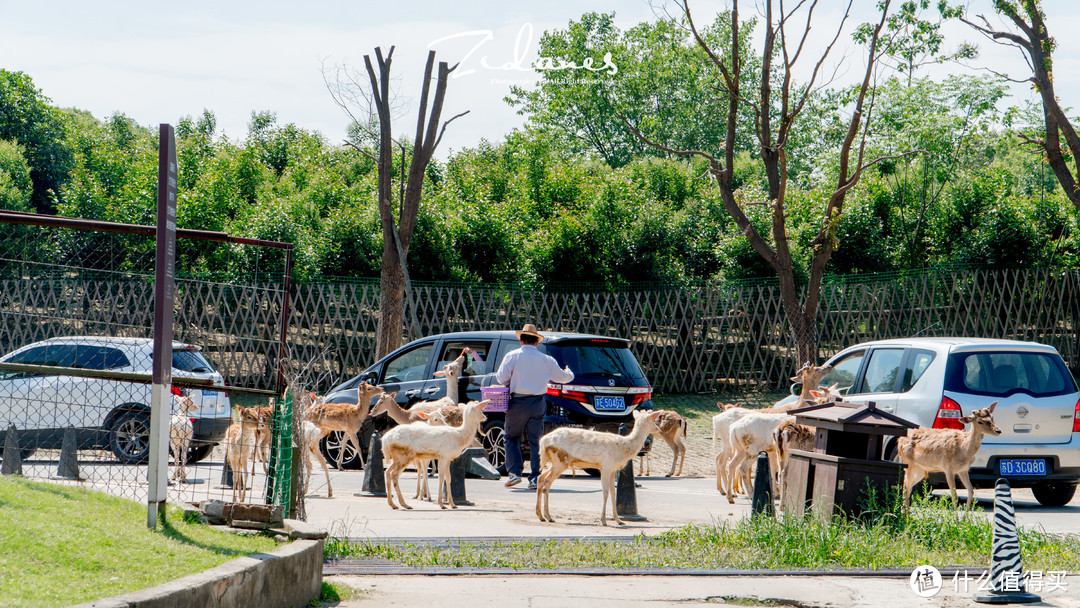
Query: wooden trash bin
[846, 461]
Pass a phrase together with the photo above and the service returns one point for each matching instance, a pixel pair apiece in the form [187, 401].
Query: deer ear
[393, 394]
[421, 415]
[966, 419]
[992, 406]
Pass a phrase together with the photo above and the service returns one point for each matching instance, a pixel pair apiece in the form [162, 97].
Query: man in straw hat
[527, 372]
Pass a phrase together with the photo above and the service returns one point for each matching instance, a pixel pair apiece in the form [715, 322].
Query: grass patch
[63, 545]
[933, 533]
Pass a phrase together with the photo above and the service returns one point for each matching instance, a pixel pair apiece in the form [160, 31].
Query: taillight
[1076, 418]
[566, 392]
[948, 415]
[640, 398]
[176, 391]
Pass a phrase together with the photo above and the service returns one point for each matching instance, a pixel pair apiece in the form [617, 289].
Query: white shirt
[527, 371]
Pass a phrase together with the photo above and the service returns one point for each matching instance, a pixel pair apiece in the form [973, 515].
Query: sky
[157, 62]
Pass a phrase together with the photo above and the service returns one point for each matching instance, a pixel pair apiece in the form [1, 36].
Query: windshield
[598, 359]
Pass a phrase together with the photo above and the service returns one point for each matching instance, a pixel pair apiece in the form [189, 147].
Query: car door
[407, 371]
[41, 401]
[880, 378]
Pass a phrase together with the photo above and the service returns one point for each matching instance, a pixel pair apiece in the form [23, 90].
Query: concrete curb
[286, 577]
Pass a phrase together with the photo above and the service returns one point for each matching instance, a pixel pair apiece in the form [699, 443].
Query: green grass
[933, 533]
[62, 545]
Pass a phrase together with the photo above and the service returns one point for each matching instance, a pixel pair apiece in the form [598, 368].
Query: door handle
[432, 390]
[412, 392]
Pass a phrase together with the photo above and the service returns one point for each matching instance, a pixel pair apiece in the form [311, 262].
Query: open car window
[474, 366]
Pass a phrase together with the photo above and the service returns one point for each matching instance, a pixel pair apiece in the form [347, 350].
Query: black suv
[608, 383]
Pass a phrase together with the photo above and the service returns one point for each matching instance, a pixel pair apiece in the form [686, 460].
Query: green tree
[15, 183]
[27, 118]
[653, 74]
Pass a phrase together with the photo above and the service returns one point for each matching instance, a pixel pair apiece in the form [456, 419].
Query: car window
[451, 350]
[99, 357]
[882, 370]
[190, 361]
[597, 358]
[1004, 373]
[844, 371]
[408, 366]
[919, 362]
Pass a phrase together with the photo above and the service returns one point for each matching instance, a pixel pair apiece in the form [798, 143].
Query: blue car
[608, 383]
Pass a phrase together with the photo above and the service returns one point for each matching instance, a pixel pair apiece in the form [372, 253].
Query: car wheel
[199, 452]
[493, 438]
[129, 439]
[333, 444]
[1052, 494]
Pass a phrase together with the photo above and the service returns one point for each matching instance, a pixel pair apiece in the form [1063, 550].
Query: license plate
[1025, 466]
[209, 393]
[609, 403]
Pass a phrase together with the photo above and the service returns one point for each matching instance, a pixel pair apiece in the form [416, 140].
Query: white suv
[933, 382]
[104, 413]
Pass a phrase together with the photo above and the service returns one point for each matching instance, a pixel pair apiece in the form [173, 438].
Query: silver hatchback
[933, 382]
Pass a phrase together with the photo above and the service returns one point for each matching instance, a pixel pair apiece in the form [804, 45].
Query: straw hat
[530, 330]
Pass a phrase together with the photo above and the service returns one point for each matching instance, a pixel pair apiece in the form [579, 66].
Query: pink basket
[499, 397]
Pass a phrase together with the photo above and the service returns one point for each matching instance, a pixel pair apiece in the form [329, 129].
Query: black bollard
[374, 475]
[69, 459]
[457, 479]
[625, 493]
[763, 498]
[12, 458]
[226, 475]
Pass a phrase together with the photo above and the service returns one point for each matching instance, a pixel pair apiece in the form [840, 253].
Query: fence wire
[84, 300]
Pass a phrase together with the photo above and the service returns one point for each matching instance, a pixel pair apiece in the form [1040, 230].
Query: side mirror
[796, 389]
[371, 377]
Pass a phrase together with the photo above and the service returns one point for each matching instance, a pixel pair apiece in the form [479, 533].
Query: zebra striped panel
[1005, 551]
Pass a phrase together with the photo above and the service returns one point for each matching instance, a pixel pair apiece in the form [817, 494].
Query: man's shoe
[512, 480]
[532, 484]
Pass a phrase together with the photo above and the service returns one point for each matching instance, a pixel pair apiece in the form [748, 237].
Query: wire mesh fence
[79, 296]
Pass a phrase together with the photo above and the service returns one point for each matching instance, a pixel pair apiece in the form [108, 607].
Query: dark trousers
[525, 414]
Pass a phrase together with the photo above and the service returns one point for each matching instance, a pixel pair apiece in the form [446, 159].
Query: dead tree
[1035, 42]
[779, 44]
[397, 232]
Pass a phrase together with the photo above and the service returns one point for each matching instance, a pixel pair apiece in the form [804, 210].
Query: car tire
[333, 443]
[592, 472]
[1051, 494]
[199, 452]
[129, 437]
[493, 438]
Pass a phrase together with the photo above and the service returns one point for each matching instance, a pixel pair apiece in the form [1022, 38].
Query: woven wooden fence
[706, 339]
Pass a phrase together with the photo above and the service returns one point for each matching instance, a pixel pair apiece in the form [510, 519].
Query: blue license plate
[1022, 466]
[609, 403]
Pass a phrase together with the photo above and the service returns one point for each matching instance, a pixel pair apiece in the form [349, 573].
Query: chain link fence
[79, 295]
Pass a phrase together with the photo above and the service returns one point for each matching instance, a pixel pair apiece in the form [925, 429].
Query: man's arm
[506, 370]
[561, 376]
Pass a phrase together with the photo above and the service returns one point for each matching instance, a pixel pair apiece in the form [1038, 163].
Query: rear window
[597, 359]
[190, 361]
[1003, 373]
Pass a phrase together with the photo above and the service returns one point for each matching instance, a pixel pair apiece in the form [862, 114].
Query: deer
[951, 451]
[181, 431]
[239, 438]
[344, 417]
[672, 427]
[567, 447]
[408, 442]
[386, 404]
